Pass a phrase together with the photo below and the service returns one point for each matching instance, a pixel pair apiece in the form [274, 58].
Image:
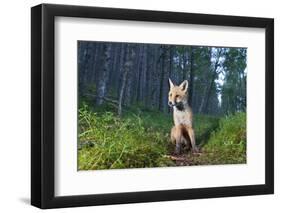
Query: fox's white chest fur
[183, 131]
[182, 117]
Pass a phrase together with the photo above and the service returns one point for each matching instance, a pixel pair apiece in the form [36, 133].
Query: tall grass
[107, 141]
[227, 145]
[141, 138]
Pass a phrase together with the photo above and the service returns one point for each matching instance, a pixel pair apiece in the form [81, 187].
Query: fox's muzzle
[171, 104]
[178, 105]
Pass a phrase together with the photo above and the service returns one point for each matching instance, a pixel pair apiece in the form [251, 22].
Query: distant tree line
[129, 74]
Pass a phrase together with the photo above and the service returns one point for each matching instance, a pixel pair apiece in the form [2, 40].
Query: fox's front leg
[178, 148]
[176, 138]
[192, 139]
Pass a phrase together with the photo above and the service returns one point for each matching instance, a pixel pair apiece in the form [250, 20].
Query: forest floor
[141, 139]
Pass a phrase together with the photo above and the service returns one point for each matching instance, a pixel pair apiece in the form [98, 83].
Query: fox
[182, 132]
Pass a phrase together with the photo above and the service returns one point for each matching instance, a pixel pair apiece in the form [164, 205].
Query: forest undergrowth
[141, 139]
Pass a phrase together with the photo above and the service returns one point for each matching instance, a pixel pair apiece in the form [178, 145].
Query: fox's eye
[170, 94]
[177, 96]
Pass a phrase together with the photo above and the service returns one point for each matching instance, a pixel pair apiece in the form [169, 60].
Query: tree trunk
[163, 98]
[191, 76]
[155, 77]
[121, 68]
[104, 75]
[160, 106]
[206, 97]
[129, 58]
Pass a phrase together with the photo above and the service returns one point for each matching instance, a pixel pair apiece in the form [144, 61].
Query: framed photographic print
[139, 106]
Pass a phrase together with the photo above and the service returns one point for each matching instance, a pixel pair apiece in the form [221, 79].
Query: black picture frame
[43, 117]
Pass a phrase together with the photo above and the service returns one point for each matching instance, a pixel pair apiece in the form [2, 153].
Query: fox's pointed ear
[184, 85]
[171, 83]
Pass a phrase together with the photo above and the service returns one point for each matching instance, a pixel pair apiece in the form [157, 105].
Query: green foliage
[141, 138]
[233, 90]
[227, 145]
[231, 132]
[203, 127]
[107, 141]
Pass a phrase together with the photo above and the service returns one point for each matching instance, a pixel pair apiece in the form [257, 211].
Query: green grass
[227, 145]
[109, 142]
[141, 138]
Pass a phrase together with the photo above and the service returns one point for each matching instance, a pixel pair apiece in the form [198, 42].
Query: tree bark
[104, 75]
[191, 76]
[206, 97]
[129, 58]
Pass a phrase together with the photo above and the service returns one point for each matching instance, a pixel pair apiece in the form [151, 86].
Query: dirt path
[184, 159]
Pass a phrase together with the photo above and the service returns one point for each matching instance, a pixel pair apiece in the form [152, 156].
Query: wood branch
[112, 102]
[104, 98]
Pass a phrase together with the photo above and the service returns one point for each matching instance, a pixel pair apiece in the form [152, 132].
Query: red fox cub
[183, 131]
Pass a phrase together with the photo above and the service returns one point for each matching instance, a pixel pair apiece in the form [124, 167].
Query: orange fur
[182, 132]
